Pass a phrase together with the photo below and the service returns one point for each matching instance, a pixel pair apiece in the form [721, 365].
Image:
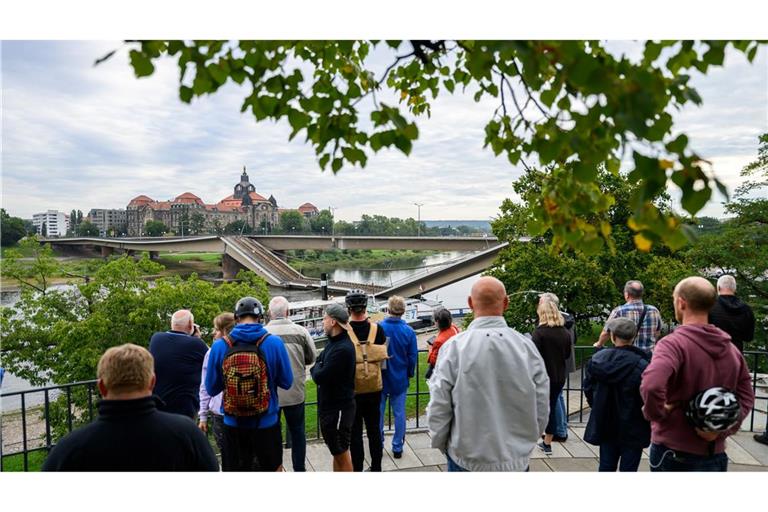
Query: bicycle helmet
[249, 306]
[356, 299]
[713, 410]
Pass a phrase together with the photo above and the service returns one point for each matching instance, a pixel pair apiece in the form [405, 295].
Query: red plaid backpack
[246, 381]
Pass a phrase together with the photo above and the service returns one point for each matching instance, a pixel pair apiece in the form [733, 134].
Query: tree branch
[528, 91]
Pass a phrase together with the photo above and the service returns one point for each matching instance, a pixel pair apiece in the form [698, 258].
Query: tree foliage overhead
[571, 107]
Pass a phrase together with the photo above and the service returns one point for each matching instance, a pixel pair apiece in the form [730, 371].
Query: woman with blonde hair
[554, 343]
[222, 324]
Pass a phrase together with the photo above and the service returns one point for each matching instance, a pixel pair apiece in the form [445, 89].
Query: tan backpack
[368, 358]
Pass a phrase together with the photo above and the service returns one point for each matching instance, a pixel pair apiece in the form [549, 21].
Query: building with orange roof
[189, 214]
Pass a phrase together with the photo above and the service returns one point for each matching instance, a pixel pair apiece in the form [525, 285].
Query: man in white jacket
[489, 392]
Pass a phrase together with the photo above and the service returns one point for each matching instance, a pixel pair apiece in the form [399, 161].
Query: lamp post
[418, 221]
[333, 220]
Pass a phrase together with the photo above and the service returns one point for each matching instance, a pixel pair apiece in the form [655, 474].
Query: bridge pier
[153, 255]
[106, 252]
[230, 267]
[281, 255]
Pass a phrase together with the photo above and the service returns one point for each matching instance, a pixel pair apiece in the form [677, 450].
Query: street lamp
[333, 220]
[418, 225]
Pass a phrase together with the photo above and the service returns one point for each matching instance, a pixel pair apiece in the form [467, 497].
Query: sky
[75, 136]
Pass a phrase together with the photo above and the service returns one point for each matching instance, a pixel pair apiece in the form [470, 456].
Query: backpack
[246, 380]
[368, 358]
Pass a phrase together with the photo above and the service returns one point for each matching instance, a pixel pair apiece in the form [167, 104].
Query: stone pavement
[744, 454]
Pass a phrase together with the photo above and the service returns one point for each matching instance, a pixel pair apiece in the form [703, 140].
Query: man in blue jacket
[612, 387]
[255, 441]
[401, 365]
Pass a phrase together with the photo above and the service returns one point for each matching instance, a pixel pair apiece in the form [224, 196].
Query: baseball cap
[338, 313]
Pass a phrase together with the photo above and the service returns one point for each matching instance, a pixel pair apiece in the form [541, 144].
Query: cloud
[78, 136]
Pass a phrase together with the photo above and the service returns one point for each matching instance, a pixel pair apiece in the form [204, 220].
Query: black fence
[417, 399]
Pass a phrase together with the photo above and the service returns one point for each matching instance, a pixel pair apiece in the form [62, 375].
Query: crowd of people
[495, 393]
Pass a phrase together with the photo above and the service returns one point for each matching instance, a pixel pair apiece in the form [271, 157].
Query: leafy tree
[573, 106]
[291, 222]
[155, 228]
[79, 217]
[36, 276]
[588, 285]
[216, 227]
[60, 334]
[44, 229]
[87, 229]
[323, 223]
[740, 248]
[197, 223]
[238, 227]
[11, 228]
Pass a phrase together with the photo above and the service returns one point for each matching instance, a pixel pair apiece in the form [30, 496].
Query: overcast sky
[76, 136]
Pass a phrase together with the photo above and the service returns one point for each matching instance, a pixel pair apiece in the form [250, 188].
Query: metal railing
[419, 398]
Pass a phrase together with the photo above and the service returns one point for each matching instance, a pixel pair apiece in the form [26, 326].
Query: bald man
[179, 355]
[489, 393]
[694, 357]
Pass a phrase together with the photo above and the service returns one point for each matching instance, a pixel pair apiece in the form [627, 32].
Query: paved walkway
[744, 454]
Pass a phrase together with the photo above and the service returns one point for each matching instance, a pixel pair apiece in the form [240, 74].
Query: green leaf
[142, 65]
[679, 144]
[694, 200]
[336, 164]
[324, 160]
[585, 173]
[185, 93]
[450, 85]
[218, 74]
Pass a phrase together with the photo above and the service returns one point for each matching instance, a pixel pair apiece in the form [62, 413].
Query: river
[452, 296]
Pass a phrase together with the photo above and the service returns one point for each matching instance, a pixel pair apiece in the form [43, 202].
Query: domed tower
[244, 188]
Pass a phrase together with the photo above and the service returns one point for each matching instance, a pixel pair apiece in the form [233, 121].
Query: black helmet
[356, 298]
[714, 410]
[248, 306]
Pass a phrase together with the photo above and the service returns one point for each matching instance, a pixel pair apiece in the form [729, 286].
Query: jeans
[666, 459]
[368, 413]
[452, 466]
[625, 457]
[294, 420]
[397, 402]
[561, 418]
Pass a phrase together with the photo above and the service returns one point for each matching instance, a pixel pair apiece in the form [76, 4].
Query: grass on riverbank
[35, 461]
[314, 262]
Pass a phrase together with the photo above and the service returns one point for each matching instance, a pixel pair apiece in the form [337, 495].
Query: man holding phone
[179, 355]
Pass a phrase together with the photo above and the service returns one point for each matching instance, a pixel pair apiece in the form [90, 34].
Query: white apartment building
[56, 223]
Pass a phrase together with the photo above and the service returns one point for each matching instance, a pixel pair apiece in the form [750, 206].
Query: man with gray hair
[179, 355]
[646, 317]
[731, 314]
[301, 352]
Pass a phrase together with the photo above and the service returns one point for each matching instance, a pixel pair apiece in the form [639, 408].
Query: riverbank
[312, 263]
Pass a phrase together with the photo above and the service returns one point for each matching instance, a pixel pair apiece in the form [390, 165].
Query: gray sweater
[301, 351]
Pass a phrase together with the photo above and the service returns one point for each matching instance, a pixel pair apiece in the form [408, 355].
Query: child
[612, 387]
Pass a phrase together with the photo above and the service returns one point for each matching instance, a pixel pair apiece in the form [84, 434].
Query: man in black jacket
[612, 387]
[731, 314]
[334, 374]
[178, 356]
[130, 434]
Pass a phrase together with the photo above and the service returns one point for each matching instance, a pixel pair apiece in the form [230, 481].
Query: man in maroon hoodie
[695, 357]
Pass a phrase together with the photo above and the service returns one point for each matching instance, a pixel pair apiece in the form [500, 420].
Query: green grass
[16, 462]
[191, 256]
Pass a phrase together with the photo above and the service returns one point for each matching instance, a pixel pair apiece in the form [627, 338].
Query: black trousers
[368, 412]
[253, 449]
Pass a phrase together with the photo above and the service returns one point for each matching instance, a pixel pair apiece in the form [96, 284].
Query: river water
[452, 296]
